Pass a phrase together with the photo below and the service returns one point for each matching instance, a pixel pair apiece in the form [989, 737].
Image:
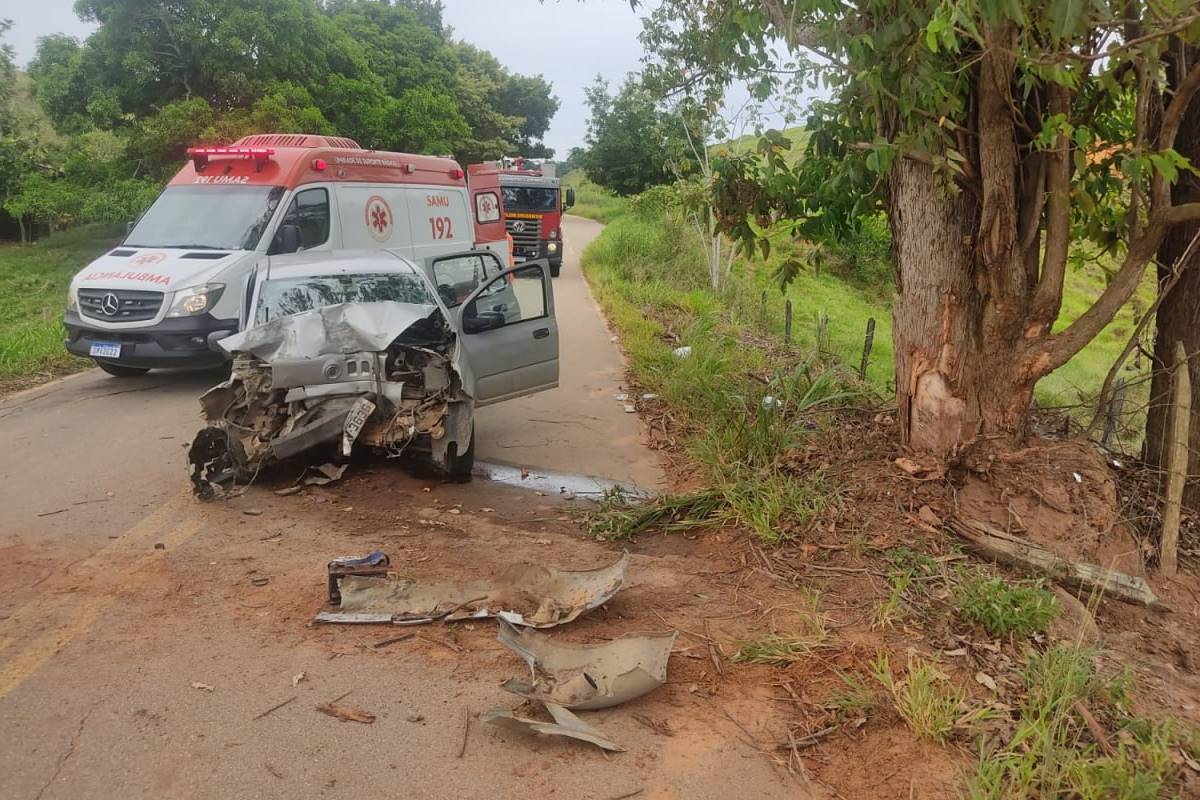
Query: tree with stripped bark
[1003, 139]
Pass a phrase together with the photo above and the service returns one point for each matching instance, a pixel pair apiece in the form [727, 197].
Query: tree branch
[1052, 352]
[1177, 269]
[1173, 116]
[1180, 24]
[803, 35]
[1187, 212]
[1047, 299]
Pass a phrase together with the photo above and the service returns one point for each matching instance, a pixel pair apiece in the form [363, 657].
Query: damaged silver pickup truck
[340, 349]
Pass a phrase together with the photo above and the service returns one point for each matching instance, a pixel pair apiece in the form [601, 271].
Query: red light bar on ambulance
[201, 155]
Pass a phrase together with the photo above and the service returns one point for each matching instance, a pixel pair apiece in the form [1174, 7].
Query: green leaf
[1164, 166]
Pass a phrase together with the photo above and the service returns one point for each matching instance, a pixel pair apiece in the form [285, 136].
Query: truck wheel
[458, 467]
[555, 269]
[120, 371]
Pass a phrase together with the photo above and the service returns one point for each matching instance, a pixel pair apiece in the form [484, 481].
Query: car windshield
[529, 198]
[283, 296]
[207, 217]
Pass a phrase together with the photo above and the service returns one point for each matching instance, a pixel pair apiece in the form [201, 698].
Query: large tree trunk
[953, 383]
[1178, 318]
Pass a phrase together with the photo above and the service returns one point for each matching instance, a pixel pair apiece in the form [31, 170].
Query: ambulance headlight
[552, 247]
[196, 300]
[72, 301]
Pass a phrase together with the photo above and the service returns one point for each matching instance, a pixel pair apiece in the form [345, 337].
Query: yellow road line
[69, 615]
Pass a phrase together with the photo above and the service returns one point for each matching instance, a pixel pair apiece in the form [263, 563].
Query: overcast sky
[567, 41]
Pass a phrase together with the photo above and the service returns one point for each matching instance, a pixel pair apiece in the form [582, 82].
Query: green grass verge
[740, 405]
[591, 200]
[33, 283]
[1052, 750]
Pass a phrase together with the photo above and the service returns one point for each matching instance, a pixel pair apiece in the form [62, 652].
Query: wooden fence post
[1115, 406]
[823, 333]
[1177, 461]
[787, 322]
[868, 343]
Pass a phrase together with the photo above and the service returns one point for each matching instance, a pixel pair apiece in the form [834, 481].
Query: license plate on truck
[105, 350]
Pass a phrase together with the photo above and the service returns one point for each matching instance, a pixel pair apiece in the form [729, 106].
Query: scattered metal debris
[581, 677]
[374, 563]
[588, 676]
[524, 594]
[565, 724]
[682, 352]
[326, 474]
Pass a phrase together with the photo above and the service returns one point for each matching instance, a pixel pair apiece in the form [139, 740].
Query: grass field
[592, 201]
[33, 283]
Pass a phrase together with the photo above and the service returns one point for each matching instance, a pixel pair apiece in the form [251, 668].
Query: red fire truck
[534, 203]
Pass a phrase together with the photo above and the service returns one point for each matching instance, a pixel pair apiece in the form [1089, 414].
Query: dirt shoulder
[192, 614]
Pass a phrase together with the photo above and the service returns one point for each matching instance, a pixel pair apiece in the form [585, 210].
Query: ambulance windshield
[207, 217]
[530, 198]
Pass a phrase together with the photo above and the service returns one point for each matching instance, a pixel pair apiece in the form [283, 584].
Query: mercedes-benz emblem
[519, 226]
[110, 304]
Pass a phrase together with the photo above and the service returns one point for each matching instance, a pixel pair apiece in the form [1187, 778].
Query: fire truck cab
[181, 274]
[534, 202]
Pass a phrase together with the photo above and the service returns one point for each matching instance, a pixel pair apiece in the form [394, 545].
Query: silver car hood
[342, 328]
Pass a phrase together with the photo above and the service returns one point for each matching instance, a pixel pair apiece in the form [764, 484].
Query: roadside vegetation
[33, 283]
[712, 366]
[592, 200]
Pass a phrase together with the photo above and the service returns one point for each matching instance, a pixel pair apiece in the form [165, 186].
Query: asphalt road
[116, 446]
[143, 633]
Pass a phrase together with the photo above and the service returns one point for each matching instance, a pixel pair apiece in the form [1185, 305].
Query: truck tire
[119, 371]
[555, 269]
[458, 467]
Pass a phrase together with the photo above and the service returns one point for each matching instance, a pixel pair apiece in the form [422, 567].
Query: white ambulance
[180, 276]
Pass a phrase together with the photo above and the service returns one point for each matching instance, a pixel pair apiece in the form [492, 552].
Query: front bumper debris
[524, 594]
[378, 374]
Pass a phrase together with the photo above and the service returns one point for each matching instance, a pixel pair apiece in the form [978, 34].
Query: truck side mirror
[129, 223]
[570, 201]
[287, 239]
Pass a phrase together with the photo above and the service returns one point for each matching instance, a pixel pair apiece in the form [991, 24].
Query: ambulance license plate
[105, 350]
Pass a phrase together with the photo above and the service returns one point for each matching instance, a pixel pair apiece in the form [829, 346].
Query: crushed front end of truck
[376, 374]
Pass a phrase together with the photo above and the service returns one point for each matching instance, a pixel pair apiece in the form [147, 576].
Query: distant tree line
[94, 127]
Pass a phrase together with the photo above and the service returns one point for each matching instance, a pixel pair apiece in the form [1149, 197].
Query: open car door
[509, 335]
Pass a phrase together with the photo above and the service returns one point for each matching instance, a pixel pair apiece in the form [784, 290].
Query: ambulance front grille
[526, 233]
[119, 305]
